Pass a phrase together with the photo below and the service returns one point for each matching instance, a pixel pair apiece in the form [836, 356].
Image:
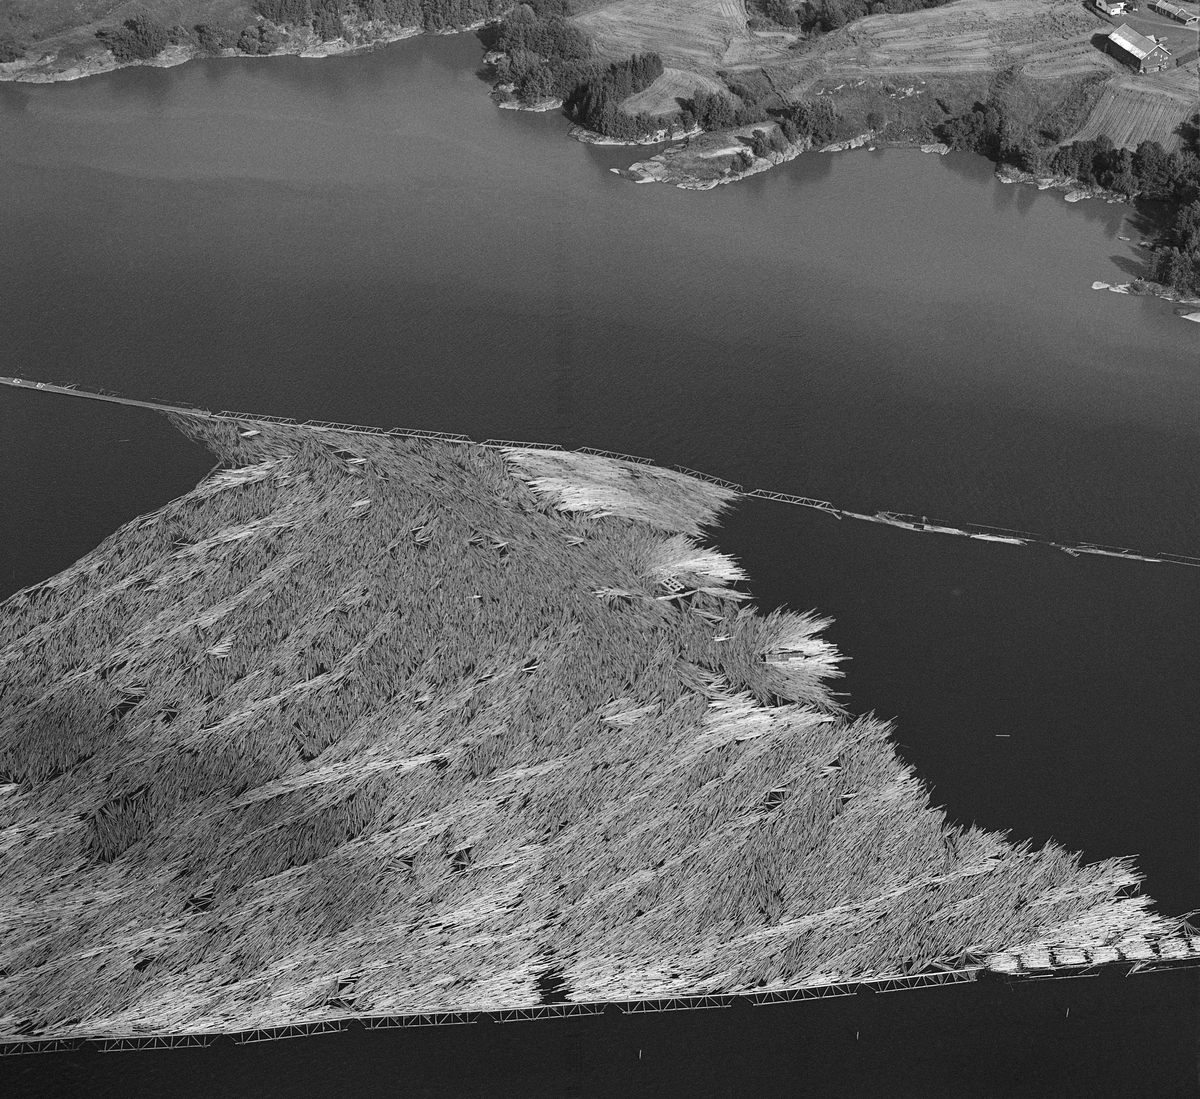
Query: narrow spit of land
[371, 725]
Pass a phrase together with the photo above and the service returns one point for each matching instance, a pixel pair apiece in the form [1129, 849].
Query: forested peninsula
[376, 725]
[739, 86]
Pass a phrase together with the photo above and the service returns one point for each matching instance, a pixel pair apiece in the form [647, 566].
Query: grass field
[663, 96]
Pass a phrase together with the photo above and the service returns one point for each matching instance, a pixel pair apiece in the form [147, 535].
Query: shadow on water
[807, 168]
[1008, 197]
[316, 79]
[1026, 199]
[1134, 268]
[14, 98]
[969, 167]
[139, 85]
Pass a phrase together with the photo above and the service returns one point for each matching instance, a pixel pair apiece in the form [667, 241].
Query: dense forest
[10, 49]
[596, 103]
[546, 57]
[142, 38]
[815, 16]
[327, 17]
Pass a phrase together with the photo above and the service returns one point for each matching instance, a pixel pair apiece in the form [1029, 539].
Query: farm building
[1142, 54]
[1109, 7]
[1174, 11]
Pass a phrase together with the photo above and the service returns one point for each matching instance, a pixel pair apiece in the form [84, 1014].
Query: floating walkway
[901, 520]
[336, 1024]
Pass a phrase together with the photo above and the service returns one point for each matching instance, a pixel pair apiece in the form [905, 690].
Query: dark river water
[369, 240]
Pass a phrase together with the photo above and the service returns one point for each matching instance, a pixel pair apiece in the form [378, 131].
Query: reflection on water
[368, 240]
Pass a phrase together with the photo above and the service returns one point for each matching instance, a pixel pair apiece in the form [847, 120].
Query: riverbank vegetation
[374, 724]
[547, 57]
[1005, 130]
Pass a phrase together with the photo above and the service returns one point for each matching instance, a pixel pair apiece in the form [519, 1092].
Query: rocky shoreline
[658, 137]
[1074, 190]
[691, 166]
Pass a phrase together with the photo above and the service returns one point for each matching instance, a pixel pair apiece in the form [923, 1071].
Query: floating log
[308, 770]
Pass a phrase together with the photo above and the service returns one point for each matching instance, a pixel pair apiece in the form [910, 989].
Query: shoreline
[38, 70]
[658, 137]
[673, 165]
[1074, 190]
[677, 164]
[666, 167]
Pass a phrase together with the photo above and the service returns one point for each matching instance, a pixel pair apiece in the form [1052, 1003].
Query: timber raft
[900, 520]
[397, 729]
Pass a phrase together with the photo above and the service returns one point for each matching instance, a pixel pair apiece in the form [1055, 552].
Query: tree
[212, 39]
[1187, 229]
[137, 39]
[815, 119]
[713, 110]
[536, 85]
[780, 11]
[832, 15]
[285, 12]
[10, 49]
[1179, 271]
[1151, 164]
[327, 20]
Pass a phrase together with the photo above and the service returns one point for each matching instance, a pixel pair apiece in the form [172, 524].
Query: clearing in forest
[663, 97]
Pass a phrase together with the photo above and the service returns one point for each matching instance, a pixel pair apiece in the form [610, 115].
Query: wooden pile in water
[384, 725]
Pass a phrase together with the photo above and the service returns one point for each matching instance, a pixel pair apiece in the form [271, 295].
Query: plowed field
[1132, 110]
[689, 34]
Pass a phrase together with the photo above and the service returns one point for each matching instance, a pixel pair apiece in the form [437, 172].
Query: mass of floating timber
[396, 729]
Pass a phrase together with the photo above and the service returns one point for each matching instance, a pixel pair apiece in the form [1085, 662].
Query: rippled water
[367, 239]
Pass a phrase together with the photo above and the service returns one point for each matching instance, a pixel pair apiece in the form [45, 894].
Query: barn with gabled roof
[1142, 54]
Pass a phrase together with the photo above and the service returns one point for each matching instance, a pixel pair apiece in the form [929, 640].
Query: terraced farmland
[1049, 39]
